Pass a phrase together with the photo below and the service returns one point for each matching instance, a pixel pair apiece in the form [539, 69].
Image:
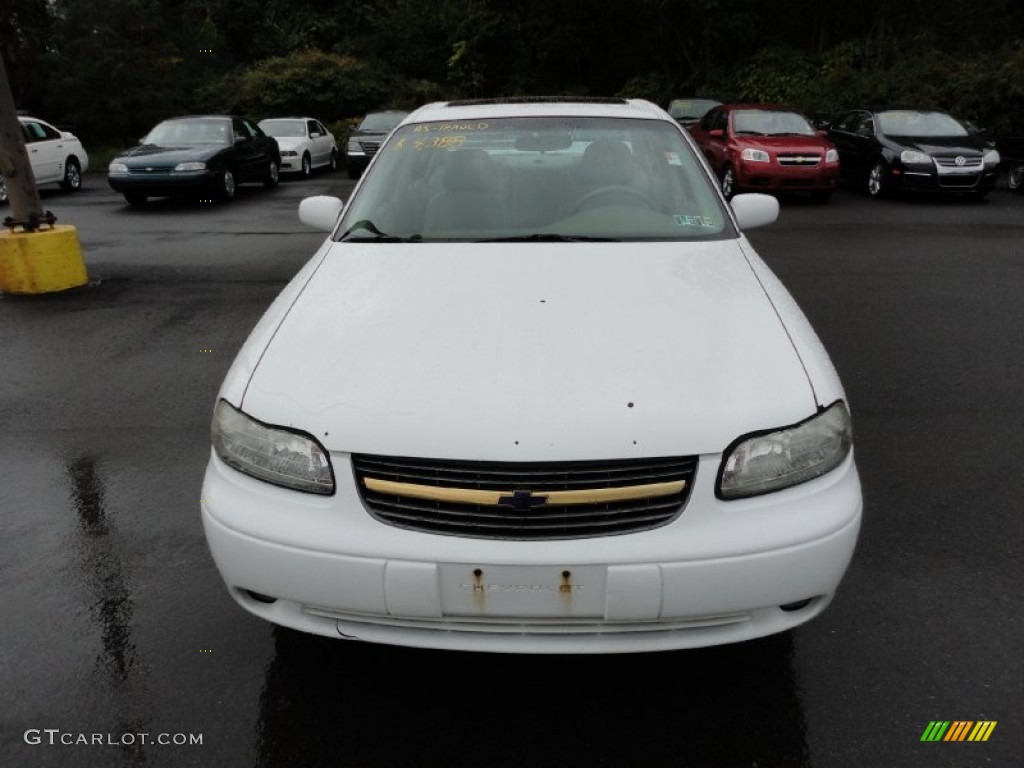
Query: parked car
[57, 157]
[304, 143]
[882, 150]
[768, 148]
[201, 156]
[367, 137]
[688, 112]
[1011, 152]
[535, 393]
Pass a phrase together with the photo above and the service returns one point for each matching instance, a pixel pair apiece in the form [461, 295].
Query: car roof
[290, 117]
[754, 106]
[544, 106]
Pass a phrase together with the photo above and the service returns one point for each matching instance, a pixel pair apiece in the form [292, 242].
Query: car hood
[148, 153]
[786, 143]
[550, 351]
[290, 142]
[961, 145]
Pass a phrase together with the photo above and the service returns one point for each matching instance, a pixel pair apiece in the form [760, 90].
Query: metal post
[14, 162]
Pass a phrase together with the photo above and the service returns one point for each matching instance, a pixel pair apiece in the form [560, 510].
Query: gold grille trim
[493, 498]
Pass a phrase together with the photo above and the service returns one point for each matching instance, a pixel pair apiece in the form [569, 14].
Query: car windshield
[537, 179]
[284, 129]
[381, 121]
[686, 109]
[917, 123]
[770, 122]
[199, 130]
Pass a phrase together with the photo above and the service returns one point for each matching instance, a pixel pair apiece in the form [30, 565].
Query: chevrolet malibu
[535, 393]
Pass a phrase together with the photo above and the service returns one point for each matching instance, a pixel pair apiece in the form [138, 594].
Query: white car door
[45, 151]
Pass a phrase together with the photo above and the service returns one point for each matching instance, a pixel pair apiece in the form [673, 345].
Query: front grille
[369, 147]
[950, 161]
[523, 513]
[799, 160]
[147, 170]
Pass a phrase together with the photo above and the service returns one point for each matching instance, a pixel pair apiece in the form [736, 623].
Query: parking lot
[118, 623]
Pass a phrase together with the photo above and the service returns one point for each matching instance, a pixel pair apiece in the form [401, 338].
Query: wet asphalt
[116, 623]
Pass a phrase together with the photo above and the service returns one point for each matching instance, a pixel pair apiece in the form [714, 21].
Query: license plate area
[523, 591]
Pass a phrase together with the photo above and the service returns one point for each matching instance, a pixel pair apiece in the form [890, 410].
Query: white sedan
[536, 393]
[57, 157]
[304, 142]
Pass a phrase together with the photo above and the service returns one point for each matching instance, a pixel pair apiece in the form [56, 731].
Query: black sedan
[888, 149]
[203, 157]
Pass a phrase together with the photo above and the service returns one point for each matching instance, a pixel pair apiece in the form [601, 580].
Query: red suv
[767, 148]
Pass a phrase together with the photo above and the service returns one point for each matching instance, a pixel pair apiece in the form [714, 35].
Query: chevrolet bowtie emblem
[523, 500]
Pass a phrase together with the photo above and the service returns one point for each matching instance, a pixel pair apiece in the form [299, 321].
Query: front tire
[3, 190]
[334, 161]
[226, 186]
[307, 166]
[72, 176]
[876, 183]
[728, 183]
[1015, 177]
[273, 176]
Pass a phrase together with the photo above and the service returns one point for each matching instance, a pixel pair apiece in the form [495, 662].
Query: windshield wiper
[541, 237]
[378, 236]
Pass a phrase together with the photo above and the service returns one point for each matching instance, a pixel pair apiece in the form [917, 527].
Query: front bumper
[165, 184]
[772, 177]
[719, 573]
[914, 178]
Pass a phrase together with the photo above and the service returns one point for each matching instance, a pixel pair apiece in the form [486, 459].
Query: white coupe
[537, 393]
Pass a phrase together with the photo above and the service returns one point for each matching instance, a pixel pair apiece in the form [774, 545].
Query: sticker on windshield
[672, 158]
[694, 221]
[449, 127]
[433, 142]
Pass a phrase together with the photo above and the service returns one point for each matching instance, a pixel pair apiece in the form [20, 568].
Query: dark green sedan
[201, 157]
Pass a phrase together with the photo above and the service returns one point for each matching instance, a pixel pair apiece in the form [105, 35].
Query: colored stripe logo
[958, 730]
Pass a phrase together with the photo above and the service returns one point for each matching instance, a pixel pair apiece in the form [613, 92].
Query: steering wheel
[613, 189]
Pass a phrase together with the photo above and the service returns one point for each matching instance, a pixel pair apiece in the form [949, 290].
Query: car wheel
[729, 182]
[3, 190]
[877, 185]
[72, 176]
[135, 200]
[1015, 176]
[226, 188]
[274, 174]
[307, 166]
[334, 161]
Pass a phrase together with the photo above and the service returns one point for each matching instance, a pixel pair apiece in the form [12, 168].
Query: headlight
[832, 156]
[757, 155]
[289, 153]
[190, 167]
[117, 168]
[992, 157]
[769, 462]
[353, 146]
[275, 455]
[913, 157]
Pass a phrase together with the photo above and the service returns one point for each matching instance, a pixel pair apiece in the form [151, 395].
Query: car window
[311, 126]
[284, 129]
[521, 177]
[381, 121]
[770, 122]
[240, 129]
[254, 130]
[848, 122]
[865, 125]
[919, 123]
[38, 132]
[320, 127]
[193, 130]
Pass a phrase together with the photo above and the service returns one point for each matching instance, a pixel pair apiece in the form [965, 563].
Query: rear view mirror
[320, 212]
[544, 141]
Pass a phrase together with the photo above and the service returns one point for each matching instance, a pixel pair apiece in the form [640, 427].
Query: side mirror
[716, 133]
[314, 134]
[754, 210]
[320, 212]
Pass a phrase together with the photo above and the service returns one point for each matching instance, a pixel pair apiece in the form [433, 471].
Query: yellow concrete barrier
[44, 261]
